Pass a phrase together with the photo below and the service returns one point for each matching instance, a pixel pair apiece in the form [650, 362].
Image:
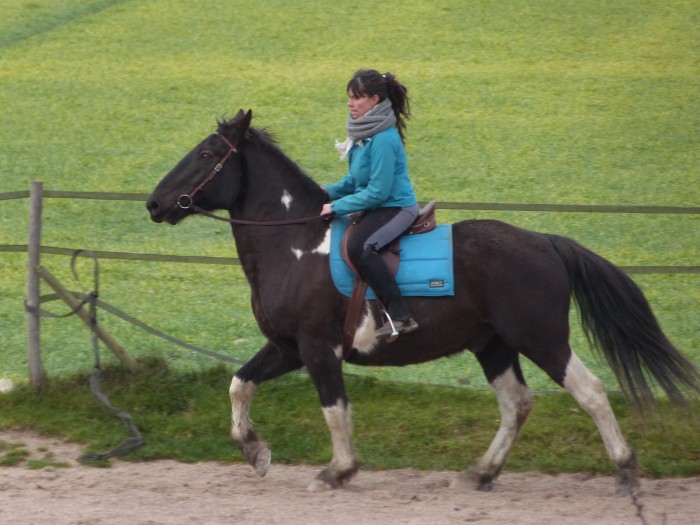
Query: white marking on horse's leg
[287, 199]
[515, 404]
[240, 393]
[589, 392]
[343, 465]
[242, 432]
[324, 248]
[339, 421]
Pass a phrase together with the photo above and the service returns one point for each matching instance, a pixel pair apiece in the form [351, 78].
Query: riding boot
[375, 272]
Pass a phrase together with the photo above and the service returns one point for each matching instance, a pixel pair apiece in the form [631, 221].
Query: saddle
[391, 254]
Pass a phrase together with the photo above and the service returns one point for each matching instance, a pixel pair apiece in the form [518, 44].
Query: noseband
[185, 201]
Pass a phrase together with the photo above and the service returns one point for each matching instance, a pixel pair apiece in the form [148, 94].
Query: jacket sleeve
[382, 165]
[343, 187]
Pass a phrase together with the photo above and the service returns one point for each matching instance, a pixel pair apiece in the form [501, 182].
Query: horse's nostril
[152, 206]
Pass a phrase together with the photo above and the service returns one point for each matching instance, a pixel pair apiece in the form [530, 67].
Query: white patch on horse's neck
[287, 199]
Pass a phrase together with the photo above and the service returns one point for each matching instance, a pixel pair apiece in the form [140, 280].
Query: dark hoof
[627, 481]
[332, 478]
[258, 456]
[485, 487]
[472, 478]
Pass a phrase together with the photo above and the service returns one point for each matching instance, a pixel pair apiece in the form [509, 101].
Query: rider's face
[359, 105]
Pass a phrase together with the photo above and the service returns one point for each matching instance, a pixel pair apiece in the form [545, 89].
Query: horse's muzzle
[154, 210]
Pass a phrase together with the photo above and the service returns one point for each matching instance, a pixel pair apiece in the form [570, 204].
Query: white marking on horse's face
[297, 253]
[287, 199]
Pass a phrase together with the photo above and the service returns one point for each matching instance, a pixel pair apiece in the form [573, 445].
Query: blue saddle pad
[426, 267]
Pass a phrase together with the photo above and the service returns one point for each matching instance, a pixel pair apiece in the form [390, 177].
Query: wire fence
[193, 259]
[467, 206]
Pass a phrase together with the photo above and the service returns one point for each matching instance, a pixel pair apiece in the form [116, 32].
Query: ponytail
[370, 82]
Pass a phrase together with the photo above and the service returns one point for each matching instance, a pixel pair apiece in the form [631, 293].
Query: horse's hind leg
[589, 392]
[502, 369]
[268, 363]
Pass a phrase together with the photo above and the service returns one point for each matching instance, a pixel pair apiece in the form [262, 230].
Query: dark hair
[370, 82]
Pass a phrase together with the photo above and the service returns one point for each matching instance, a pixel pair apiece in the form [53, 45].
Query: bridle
[186, 201]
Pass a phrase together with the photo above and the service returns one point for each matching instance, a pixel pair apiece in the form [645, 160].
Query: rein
[186, 201]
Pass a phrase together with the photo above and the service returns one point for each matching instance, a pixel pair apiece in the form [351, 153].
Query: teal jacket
[378, 176]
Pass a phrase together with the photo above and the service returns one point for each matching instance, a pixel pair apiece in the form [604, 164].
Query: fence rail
[233, 261]
[485, 206]
[34, 249]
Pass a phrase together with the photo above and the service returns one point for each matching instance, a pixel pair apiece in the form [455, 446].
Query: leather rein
[186, 201]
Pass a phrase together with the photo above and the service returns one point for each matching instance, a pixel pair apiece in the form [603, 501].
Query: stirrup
[392, 334]
[390, 331]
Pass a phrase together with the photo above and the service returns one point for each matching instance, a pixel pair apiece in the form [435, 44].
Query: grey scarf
[377, 119]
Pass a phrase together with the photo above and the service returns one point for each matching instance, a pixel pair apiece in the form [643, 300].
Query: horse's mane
[266, 141]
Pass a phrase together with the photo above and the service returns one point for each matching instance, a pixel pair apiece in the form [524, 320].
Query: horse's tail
[618, 321]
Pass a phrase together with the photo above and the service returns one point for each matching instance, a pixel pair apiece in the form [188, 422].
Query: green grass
[185, 416]
[13, 454]
[577, 103]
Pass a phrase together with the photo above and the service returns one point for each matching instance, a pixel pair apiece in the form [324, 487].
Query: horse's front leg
[325, 369]
[268, 363]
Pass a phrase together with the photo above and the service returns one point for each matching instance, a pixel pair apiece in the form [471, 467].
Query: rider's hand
[327, 212]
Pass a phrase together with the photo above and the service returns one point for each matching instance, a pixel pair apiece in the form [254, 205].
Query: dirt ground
[167, 492]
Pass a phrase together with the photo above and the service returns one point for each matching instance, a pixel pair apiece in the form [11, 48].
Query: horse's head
[206, 176]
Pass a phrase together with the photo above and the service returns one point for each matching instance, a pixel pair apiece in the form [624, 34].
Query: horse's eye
[205, 155]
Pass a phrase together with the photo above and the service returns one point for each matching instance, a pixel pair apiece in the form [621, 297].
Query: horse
[512, 295]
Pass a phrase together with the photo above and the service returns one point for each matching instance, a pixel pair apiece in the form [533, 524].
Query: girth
[391, 254]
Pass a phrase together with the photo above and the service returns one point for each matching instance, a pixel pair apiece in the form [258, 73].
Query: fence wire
[233, 261]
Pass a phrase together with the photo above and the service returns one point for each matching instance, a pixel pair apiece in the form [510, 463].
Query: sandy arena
[167, 492]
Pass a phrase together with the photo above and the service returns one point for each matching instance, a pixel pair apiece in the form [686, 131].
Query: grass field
[577, 103]
[184, 416]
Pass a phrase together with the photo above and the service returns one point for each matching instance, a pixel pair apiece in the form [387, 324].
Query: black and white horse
[513, 289]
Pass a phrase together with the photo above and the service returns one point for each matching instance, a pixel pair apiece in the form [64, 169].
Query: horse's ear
[242, 121]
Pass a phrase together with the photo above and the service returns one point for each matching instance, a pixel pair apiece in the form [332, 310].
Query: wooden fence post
[82, 313]
[34, 252]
